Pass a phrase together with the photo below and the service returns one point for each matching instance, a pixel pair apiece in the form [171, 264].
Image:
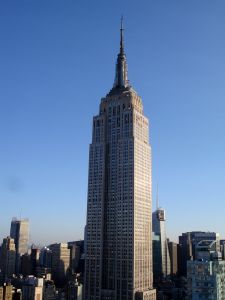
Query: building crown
[121, 81]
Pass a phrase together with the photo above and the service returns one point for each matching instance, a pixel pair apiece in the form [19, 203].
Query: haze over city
[57, 61]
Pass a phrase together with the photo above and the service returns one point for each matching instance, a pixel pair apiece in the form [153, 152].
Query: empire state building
[118, 263]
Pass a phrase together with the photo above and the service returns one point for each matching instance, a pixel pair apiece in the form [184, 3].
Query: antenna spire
[121, 80]
[121, 36]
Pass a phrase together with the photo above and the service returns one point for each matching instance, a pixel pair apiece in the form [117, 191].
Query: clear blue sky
[57, 59]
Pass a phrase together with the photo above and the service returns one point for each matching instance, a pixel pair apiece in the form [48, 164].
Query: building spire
[121, 37]
[121, 80]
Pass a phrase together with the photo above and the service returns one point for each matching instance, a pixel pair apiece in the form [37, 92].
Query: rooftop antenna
[121, 36]
[121, 22]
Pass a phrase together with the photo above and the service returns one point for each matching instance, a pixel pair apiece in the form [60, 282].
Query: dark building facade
[7, 258]
[173, 252]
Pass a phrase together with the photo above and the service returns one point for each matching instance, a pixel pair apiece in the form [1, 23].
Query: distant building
[7, 258]
[44, 263]
[32, 288]
[156, 255]
[30, 292]
[60, 262]
[161, 258]
[74, 289]
[34, 259]
[45, 258]
[17, 294]
[173, 258]
[25, 264]
[9, 292]
[222, 248]
[206, 274]
[187, 247]
[6, 292]
[1, 293]
[44, 272]
[49, 292]
[19, 231]
[76, 256]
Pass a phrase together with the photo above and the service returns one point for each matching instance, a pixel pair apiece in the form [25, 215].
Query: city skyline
[56, 66]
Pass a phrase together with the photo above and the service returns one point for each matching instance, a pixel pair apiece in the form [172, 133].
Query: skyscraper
[173, 257]
[161, 262]
[34, 259]
[7, 258]
[19, 231]
[60, 262]
[118, 263]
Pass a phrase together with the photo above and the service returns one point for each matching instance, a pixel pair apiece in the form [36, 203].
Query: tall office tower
[45, 258]
[173, 257]
[76, 253]
[187, 247]
[19, 231]
[44, 264]
[7, 258]
[34, 259]
[60, 263]
[161, 263]
[118, 262]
